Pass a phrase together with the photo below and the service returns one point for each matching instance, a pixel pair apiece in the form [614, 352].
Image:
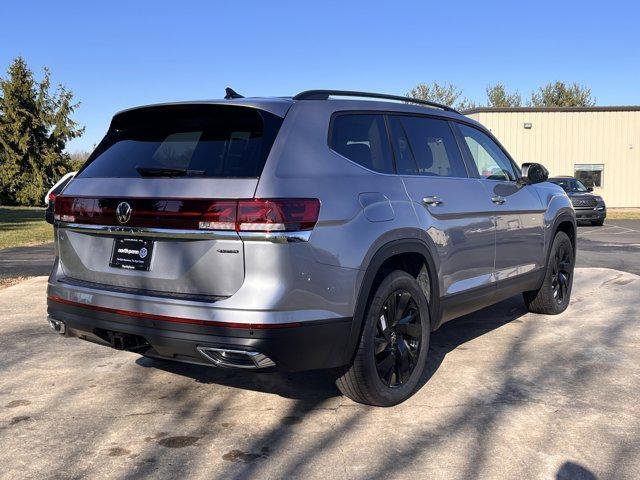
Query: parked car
[589, 207]
[50, 197]
[329, 230]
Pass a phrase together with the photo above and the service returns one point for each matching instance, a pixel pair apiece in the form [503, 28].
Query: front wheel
[554, 294]
[392, 353]
[598, 223]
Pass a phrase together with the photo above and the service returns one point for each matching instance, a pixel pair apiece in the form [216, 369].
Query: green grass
[23, 226]
[630, 214]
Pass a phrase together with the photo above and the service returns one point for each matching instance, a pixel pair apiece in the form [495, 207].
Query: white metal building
[599, 145]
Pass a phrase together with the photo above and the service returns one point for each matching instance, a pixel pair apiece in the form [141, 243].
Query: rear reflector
[253, 215]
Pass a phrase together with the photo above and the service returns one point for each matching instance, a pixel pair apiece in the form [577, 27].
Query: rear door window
[362, 138]
[185, 140]
[427, 143]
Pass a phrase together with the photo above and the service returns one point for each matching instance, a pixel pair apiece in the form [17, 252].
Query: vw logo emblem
[123, 212]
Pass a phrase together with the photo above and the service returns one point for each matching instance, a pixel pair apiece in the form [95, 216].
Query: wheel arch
[412, 255]
[564, 222]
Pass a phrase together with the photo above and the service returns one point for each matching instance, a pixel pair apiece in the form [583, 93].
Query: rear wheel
[554, 294]
[393, 348]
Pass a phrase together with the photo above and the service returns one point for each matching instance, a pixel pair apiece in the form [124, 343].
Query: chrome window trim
[272, 237]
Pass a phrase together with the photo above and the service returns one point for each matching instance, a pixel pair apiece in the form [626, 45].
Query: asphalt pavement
[614, 245]
[29, 261]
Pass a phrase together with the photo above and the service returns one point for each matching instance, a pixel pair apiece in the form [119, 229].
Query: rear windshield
[185, 140]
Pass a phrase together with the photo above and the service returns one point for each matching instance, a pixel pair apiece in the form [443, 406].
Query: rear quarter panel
[360, 210]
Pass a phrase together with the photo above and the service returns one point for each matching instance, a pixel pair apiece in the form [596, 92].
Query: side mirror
[589, 189]
[533, 173]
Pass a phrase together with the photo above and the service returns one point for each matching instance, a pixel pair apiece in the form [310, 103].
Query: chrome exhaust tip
[57, 326]
[225, 357]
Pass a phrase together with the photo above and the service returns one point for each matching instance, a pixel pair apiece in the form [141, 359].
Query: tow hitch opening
[124, 341]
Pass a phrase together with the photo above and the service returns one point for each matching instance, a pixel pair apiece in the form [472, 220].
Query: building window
[590, 174]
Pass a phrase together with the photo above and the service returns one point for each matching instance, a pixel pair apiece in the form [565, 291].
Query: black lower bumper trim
[313, 345]
[590, 214]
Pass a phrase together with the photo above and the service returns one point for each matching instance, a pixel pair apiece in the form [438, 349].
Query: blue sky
[114, 55]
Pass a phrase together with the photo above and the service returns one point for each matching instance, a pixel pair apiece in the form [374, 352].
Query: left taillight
[62, 209]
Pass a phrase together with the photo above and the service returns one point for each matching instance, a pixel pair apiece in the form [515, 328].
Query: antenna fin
[231, 94]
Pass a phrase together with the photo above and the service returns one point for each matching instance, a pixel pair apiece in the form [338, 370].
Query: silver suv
[301, 233]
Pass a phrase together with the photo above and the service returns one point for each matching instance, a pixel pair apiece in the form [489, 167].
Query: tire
[401, 342]
[598, 223]
[554, 295]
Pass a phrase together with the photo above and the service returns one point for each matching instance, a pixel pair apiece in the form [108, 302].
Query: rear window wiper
[167, 172]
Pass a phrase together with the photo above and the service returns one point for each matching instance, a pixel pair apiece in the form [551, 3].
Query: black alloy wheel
[389, 362]
[554, 295]
[561, 273]
[397, 338]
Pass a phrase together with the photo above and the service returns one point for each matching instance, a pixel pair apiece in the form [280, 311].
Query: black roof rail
[325, 94]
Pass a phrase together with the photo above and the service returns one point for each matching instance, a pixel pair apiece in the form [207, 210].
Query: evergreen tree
[35, 126]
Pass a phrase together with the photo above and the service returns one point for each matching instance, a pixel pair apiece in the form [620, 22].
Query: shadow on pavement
[318, 385]
[313, 385]
[573, 471]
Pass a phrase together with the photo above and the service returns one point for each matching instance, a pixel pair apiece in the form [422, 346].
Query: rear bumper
[310, 345]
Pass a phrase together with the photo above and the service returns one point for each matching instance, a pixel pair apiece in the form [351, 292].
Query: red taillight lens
[253, 215]
[62, 209]
[277, 215]
[221, 215]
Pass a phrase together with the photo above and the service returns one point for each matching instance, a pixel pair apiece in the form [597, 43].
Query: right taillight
[277, 215]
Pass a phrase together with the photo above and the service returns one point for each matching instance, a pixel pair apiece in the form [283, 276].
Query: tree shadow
[457, 332]
[315, 385]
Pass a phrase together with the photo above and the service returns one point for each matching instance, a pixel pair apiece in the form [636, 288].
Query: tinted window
[426, 146]
[570, 185]
[491, 161]
[405, 163]
[202, 141]
[362, 139]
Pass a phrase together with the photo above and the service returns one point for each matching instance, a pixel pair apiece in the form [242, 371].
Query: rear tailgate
[147, 213]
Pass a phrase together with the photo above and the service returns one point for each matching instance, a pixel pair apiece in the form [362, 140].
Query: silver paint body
[476, 242]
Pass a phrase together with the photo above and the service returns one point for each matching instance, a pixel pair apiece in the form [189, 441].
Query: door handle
[432, 201]
[498, 199]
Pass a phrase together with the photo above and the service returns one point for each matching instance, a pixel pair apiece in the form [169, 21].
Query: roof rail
[325, 94]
